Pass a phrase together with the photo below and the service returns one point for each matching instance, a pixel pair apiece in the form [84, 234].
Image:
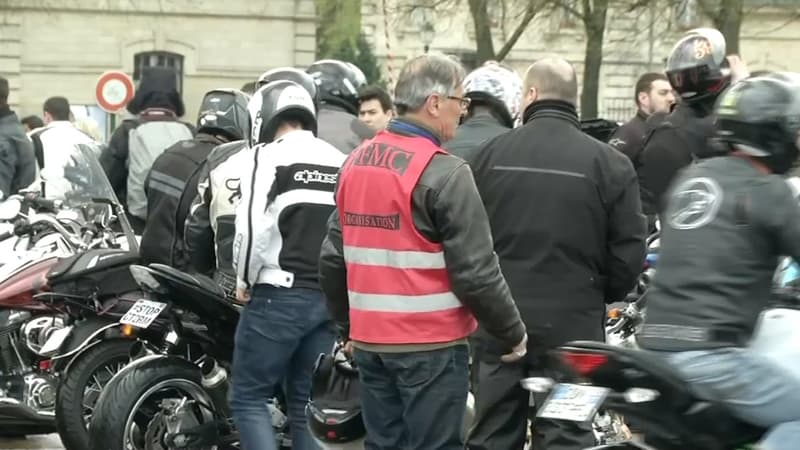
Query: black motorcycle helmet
[760, 117]
[291, 74]
[275, 102]
[333, 411]
[697, 68]
[338, 83]
[224, 111]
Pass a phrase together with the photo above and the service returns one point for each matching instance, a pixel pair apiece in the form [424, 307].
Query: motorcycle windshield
[74, 176]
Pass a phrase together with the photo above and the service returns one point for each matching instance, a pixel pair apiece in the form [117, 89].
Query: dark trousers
[502, 409]
[281, 333]
[414, 400]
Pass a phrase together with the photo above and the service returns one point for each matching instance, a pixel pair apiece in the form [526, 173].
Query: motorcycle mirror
[10, 208]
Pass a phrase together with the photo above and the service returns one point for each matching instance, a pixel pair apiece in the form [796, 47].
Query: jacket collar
[483, 116]
[60, 123]
[405, 126]
[556, 109]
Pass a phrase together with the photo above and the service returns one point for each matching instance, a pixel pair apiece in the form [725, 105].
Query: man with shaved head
[567, 226]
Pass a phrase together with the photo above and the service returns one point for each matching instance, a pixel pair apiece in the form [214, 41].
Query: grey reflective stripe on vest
[166, 183]
[403, 303]
[394, 258]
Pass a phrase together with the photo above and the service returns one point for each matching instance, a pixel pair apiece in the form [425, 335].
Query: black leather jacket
[725, 226]
[672, 145]
[565, 219]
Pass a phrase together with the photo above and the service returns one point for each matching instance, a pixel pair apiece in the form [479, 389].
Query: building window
[158, 59]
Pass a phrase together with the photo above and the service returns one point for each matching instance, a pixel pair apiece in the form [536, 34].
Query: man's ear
[432, 105]
[532, 95]
[642, 96]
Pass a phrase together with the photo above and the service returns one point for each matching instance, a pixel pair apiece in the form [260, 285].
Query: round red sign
[114, 90]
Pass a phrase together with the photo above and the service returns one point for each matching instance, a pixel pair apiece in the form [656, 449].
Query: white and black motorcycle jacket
[281, 219]
[210, 226]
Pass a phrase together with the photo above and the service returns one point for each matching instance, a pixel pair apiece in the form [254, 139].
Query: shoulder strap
[38, 149]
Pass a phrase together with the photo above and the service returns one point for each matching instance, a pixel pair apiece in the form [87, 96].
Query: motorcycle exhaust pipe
[215, 382]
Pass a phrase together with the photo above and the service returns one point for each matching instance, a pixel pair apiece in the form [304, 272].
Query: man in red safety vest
[408, 266]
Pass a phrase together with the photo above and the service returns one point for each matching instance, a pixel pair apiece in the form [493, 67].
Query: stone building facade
[61, 47]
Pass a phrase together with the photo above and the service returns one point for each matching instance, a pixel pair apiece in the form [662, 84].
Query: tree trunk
[595, 26]
[728, 21]
[483, 30]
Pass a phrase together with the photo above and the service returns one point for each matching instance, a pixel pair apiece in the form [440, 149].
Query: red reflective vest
[398, 285]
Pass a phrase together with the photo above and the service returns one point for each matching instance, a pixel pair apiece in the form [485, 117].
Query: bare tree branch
[567, 6]
[530, 12]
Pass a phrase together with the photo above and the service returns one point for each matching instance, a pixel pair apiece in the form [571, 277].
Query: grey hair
[423, 76]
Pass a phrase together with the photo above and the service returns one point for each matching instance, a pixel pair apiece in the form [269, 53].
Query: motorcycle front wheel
[82, 385]
[139, 408]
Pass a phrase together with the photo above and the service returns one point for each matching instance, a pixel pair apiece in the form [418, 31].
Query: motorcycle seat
[202, 282]
[710, 422]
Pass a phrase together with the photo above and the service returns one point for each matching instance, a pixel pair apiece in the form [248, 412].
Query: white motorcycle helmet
[497, 87]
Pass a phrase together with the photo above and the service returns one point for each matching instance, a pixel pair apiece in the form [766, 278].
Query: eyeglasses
[465, 101]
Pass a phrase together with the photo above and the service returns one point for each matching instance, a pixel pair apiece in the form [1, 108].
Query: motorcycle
[174, 392]
[62, 306]
[644, 387]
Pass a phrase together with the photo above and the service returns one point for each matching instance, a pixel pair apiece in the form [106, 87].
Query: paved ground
[49, 442]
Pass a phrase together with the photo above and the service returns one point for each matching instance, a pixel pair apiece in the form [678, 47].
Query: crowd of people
[464, 218]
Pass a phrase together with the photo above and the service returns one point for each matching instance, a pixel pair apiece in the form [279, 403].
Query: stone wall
[61, 47]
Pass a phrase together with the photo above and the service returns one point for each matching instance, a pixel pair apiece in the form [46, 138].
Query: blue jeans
[755, 389]
[280, 335]
[414, 400]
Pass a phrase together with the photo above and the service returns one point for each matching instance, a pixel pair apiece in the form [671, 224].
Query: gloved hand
[518, 352]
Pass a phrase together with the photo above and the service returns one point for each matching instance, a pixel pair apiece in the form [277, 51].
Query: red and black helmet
[697, 68]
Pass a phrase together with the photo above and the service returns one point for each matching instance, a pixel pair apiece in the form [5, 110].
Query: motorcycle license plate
[142, 313]
[573, 402]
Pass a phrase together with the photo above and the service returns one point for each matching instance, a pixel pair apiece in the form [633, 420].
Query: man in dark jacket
[682, 137]
[653, 95]
[171, 186]
[17, 163]
[338, 84]
[409, 336]
[158, 105]
[495, 93]
[567, 226]
[728, 220]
